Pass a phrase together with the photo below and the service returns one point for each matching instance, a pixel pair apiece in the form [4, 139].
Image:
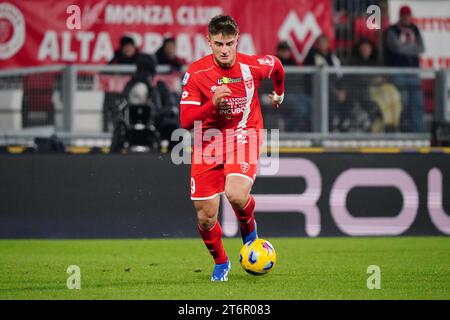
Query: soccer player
[220, 91]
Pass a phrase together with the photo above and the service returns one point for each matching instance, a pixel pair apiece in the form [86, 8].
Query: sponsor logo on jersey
[266, 61]
[213, 88]
[185, 78]
[225, 80]
[232, 106]
[244, 167]
[185, 94]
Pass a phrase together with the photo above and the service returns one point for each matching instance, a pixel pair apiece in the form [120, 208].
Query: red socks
[213, 237]
[213, 241]
[246, 216]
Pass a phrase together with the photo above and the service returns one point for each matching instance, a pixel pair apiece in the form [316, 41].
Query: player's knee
[206, 218]
[237, 198]
[206, 222]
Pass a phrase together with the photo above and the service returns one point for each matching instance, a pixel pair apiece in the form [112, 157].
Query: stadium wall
[142, 196]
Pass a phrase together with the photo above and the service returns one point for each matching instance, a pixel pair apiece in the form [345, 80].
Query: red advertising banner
[44, 32]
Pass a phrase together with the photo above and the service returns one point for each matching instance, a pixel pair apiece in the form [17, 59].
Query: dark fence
[140, 196]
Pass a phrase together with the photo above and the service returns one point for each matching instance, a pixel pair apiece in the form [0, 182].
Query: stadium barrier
[141, 196]
[337, 105]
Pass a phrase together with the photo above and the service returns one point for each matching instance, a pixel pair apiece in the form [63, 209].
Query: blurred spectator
[284, 53]
[169, 83]
[127, 53]
[320, 54]
[377, 103]
[388, 101]
[296, 109]
[364, 53]
[134, 122]
[169, 88]
[166, 54]
[404, 45]
[365, 115]
[161, 117]
[340, 106]
[145, 71]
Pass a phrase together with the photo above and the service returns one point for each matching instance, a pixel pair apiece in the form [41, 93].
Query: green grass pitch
[320, 268]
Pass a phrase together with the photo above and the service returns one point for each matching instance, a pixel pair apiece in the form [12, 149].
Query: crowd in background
[146, 88]
[357, 102]
[361, 102]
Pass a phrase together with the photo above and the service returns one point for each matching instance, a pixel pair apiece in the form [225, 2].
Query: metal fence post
[441, 112]
[320, 112]
[316, 96]
[324, 110]
[69, 84]
[445, 95]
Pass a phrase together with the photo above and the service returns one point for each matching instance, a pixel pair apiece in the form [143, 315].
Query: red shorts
[208, 179]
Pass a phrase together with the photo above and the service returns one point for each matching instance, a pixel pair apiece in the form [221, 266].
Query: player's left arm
[271, 67]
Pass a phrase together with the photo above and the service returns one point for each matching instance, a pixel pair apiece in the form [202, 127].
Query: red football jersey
[241, 109]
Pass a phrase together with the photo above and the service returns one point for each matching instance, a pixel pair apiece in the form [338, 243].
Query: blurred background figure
[134, 125]
[365, 114]
[285, 55]
[166, 55]
[376, 101]
[148, 111]
[127, 53]
[297, 106]
[388, 106]
[145, 72]
[319, 55]
[168, 85]
[403, 47]
[169, 82]
[364, 53]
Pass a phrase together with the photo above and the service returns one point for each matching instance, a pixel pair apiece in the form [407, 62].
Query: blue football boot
[220, 272]
[252, 236]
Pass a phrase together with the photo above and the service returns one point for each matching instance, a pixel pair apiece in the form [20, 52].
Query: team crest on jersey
[249, 83]
[244, 167]
[266, 61]
[185, 78]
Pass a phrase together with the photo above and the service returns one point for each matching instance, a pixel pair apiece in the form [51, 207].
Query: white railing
[77, 95]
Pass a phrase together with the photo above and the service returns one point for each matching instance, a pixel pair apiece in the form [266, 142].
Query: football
[258, 257]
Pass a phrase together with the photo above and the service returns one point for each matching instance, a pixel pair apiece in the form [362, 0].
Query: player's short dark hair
[221, 24]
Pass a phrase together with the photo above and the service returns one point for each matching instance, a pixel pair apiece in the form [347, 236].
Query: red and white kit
[238, 118]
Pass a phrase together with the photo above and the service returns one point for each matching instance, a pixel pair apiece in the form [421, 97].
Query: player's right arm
[191, 107]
